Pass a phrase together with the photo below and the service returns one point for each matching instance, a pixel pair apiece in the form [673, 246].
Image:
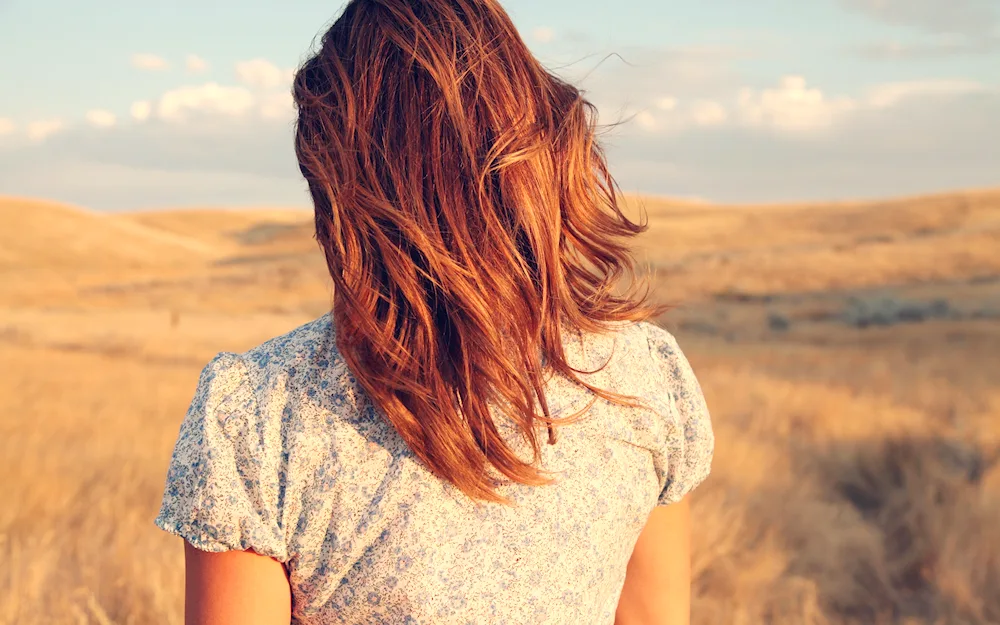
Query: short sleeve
[224, 479]
[687, 439]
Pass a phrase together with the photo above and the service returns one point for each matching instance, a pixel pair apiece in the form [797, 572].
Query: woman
[484, 429]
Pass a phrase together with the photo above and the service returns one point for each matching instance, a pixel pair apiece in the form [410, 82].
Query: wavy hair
[467, 216]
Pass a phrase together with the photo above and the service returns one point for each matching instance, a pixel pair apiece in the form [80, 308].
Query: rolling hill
[35, 234]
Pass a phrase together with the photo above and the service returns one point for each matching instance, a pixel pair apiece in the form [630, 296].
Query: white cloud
[697, 128]
[262, 74]
[543, 34]
[792, 107]
[898, 138]
[191, 102]
[211, 98]
[101, 118]
[647, 120]
[149, 62]
[920, 143]
[263, 94]
[708, 113]
[7, 126]
[141, 110]
[195, 64]
[666, 103]
[42, 129]
[278, 105]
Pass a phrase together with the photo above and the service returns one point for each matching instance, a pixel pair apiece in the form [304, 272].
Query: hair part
[466, 213]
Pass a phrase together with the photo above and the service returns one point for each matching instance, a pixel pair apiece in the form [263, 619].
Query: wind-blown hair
[467, 215]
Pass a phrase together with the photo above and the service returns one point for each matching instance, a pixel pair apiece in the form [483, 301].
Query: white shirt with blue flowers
[281, 452]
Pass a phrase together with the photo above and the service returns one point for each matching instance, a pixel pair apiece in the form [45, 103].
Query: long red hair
[467, 214]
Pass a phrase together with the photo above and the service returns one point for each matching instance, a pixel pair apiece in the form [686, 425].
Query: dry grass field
[850, 354]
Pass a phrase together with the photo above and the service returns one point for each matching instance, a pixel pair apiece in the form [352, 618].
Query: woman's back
[283, 453]
[388, 454]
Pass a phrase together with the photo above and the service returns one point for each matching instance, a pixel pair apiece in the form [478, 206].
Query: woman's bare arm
[235, 588]
[657, 587]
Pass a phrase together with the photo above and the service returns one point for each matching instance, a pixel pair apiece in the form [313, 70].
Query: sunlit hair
[467, 217]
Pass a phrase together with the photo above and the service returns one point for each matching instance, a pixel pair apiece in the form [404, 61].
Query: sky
[134, 104]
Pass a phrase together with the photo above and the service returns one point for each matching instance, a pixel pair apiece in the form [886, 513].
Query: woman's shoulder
[632, 339]
[297, 368]
[296, 360]
[668, 356]
[660, 340]
[640, 355]
[235, 452]
[310, 344]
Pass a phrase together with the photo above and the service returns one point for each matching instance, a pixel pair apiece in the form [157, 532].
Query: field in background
[850, 354]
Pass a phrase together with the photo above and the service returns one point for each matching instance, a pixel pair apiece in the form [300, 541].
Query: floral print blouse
[281, 452]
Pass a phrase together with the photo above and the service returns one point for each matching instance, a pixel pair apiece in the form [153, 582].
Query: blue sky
[119, 104]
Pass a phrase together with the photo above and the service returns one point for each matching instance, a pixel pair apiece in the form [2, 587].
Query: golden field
[850, 354]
